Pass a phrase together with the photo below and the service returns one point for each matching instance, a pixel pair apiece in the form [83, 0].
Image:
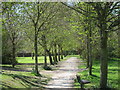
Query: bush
[6, 59]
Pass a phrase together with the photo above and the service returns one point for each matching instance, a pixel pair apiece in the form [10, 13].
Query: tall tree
[12, 23]
[38, 13]
[104, 12]
[107, 21]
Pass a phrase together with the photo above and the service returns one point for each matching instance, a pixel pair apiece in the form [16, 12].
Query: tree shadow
[29, 63]
[29, 81]
[5, 85]
[113, 69]
[14, 69]
[111, 59]
[95, 75]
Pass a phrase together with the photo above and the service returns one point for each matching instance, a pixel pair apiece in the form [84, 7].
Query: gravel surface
[65, 75]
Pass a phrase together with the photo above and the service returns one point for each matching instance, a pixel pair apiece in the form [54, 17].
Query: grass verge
[22, 76]
[17, 79]
[95, 78]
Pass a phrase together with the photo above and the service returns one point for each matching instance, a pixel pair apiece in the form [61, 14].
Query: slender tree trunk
[55, 52]
[59, 52]
[36, 55]
[88, 39]
[64, 54]
[45, 58]
[79, 51]
[90, 60]
[32, 55]
[118, 55]
[90, 49]
[13, 55]
[104, 59]
[118, 43]
[45, 49]
[53, 55]
[50, 57]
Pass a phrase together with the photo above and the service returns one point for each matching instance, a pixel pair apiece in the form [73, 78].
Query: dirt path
[65, 75]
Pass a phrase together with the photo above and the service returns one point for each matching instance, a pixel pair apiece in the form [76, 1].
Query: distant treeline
[73, 52]
[25, 54]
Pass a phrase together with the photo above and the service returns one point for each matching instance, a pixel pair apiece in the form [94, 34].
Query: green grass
[40, 59]
[74, 56]
[22, 80]
[95, 79]
[68, 56]
[30, 60]
[22, 76]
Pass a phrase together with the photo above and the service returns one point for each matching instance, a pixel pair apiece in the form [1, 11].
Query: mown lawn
[16, 79]
[22, 76]
[40, 59]
[95, 78]
[30, 60]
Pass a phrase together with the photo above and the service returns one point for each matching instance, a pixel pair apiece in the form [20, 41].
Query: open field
[30, 60]
[40, 59]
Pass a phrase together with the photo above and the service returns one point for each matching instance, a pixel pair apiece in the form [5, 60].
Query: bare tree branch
[114, 24]
[30, 17]
[74, 9]
[112, 7]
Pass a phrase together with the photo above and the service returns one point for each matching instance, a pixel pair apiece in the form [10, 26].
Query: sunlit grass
[95, 79]
[30, 60]
[40, 59]
[22, 75]
[17, 79]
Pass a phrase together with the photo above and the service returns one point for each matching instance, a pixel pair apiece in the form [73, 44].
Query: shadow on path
[65, 75]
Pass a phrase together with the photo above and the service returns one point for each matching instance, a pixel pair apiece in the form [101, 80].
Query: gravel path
[65, 75]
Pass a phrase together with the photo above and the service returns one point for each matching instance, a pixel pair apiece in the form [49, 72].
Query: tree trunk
[88, 39]
[55, 53]
[13, 55]
[32, 55]
[45, 49]
[59, 52]
[90, 49]
[118, 43]
[118, 56]
[36, 55]
[65, 53]
[79, 51]
[104, 62]
[50, 57]
[45, 58]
